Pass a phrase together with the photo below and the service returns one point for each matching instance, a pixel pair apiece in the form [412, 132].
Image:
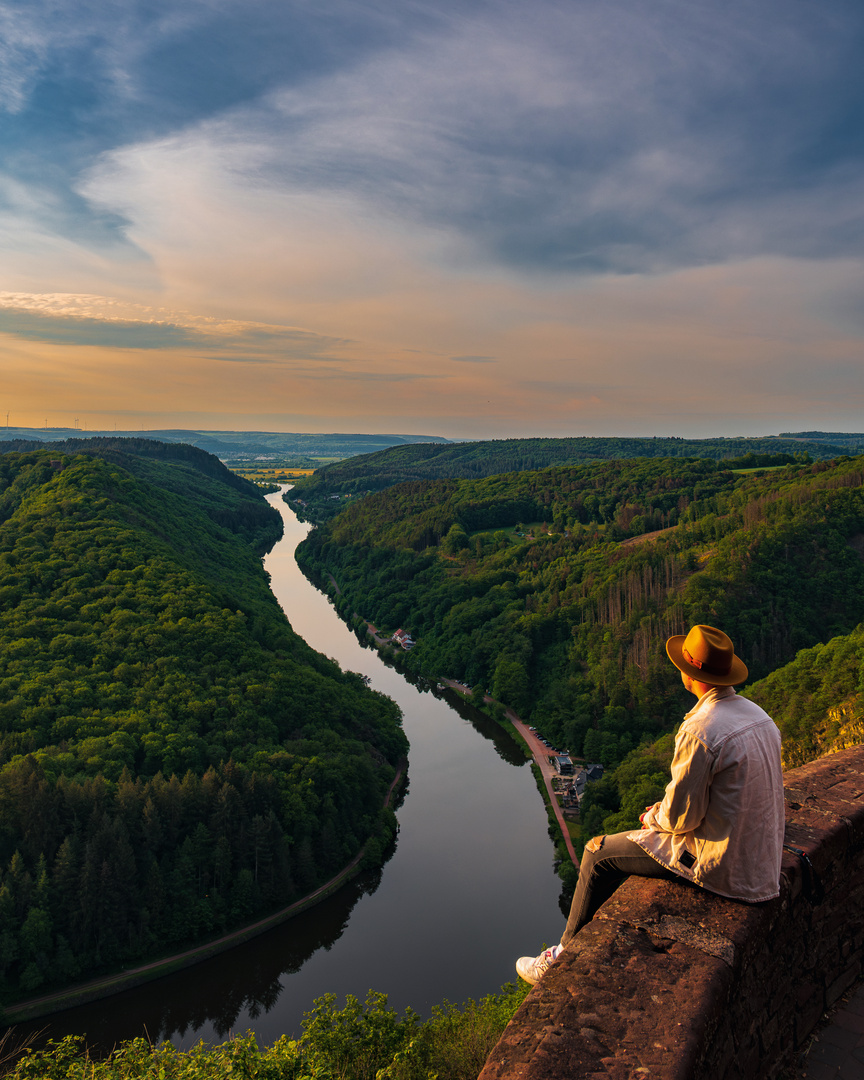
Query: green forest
[321, 496]
[174, 759]
[555, 589]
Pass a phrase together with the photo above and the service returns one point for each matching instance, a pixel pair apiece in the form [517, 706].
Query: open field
[758, 469]
[272, 474]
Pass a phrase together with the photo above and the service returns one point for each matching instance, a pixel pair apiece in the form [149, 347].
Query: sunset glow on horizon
[467, 219]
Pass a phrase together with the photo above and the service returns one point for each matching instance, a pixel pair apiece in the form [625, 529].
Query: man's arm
[685, 802]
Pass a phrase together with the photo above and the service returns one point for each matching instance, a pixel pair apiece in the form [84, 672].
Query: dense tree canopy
[557, 588]
[818, 697]
[321, 496]
[173, 758]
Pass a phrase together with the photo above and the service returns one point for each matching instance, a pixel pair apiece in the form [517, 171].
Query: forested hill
[174, 760]
[321, 496]
[818, 697]
[230, 500]
[549, 589]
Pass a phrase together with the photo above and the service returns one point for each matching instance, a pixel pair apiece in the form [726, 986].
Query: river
[469, 885]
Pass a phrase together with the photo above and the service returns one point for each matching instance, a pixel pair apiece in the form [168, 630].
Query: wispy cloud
[369, 377]
[111, 323]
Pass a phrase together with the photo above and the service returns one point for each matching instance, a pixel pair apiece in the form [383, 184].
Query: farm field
[272, 472]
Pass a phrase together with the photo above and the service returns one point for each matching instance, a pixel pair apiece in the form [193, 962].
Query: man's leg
[600, 874]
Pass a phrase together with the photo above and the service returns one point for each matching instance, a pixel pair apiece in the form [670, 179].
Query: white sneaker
[531, 968]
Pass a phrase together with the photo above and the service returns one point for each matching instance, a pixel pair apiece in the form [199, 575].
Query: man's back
[722, 819]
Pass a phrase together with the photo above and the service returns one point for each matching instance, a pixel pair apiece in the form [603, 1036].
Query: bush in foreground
[362, 1041]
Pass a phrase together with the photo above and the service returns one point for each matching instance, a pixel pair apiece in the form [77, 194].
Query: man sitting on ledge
[720, 823]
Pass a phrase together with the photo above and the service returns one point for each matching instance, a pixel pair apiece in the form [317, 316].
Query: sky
[461, 218]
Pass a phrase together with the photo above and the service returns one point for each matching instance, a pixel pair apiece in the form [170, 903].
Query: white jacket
[721, 821]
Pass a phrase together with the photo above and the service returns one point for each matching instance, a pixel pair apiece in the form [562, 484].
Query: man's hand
[595, 843]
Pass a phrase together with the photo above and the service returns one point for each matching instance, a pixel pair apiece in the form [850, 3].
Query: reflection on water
[210, 996]
[468, 886]
[508, 748]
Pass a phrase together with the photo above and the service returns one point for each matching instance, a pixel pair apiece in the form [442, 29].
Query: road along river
[468, 888]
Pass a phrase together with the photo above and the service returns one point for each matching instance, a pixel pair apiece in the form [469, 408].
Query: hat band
[702, 665]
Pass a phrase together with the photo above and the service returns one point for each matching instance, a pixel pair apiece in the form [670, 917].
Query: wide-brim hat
[707, 655]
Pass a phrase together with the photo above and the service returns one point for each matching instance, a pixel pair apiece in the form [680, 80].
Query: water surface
[468, 887]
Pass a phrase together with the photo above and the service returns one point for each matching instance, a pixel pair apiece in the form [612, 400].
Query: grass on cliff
[362, 1041]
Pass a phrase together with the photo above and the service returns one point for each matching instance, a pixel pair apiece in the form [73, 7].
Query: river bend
[468, 887]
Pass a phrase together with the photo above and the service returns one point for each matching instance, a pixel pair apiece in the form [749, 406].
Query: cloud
[239, 359]
[568, 138]
[581, 139]
[106, 322]
[84, 77]
[473, 359]
[369, 377]
[61, 329]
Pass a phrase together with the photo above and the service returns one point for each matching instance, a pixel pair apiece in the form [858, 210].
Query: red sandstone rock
[673, 983]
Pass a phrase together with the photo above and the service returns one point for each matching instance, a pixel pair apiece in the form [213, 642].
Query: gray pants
[600, 874]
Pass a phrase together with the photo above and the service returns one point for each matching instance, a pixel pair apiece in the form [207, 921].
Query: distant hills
[839, 437]
[237, 445]
[433, 456]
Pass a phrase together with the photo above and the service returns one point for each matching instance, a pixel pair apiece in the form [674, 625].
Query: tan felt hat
[707, 655]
